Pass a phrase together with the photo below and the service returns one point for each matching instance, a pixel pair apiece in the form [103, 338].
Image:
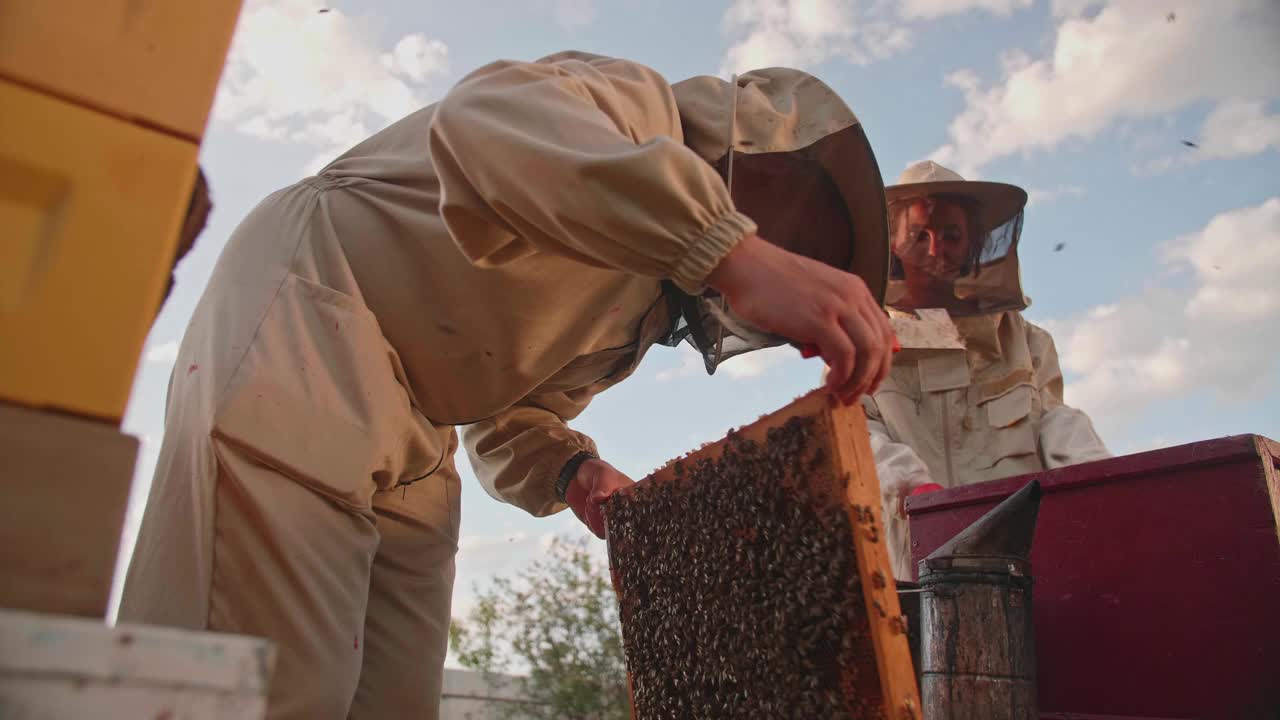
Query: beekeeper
[976, 393]
[492, 262]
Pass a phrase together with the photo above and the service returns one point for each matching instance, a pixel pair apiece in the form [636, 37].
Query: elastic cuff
[568, 471]
[704, 253]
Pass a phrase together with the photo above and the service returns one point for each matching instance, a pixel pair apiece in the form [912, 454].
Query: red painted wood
[1157, 580]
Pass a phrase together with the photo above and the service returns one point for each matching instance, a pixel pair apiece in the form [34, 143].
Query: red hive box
[1157, 580]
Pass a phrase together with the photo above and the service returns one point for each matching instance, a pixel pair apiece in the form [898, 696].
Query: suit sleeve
[1067, 436]
[518, 454]
[583, 159]
[900, 470]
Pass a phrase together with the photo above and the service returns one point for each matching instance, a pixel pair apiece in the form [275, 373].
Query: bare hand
[594, 482]
[809, 302]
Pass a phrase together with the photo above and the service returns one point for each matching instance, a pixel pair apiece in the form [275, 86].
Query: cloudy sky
[1163, 298]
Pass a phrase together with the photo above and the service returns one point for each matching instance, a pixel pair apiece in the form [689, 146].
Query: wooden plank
[852, 445]
[1181, 458]
[809, 459]
[1269, 454]
[64, 667]
[64, 487]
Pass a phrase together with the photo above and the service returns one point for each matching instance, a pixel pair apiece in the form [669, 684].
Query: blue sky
[1163, 299]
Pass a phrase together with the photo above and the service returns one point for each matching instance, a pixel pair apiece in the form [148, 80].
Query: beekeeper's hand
[593, 483]
[923, 488]
[809, 302]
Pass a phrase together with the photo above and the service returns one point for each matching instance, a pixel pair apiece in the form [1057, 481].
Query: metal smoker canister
[978, 656]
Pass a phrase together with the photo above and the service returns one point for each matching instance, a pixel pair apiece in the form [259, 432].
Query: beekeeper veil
[954, 243]
[796, 160]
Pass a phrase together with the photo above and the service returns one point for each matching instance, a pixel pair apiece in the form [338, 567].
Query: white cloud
[804, 33]
[929, 9]
[320, 79]
[741, 367]
[758, 362]
[1146, 443]
[475, 545]
[1207, 325]
[691, 365]
[260, 127]
[1237, 128]
[164, 353]
[1237, 260]
[1127, 61]
[1073, 8]
[482, 559]
[417, 57]
[148, 455]
[1046, 196]
[574, 14]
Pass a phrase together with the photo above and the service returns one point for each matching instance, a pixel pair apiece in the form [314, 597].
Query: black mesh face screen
[695, 323]
[796, 205]
[922, 274]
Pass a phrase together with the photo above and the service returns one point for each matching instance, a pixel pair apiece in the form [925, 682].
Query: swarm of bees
[739, 589]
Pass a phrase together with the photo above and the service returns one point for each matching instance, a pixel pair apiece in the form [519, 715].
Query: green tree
[556, 624]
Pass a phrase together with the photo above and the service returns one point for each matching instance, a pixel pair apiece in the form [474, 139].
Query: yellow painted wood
[155, 61]
[90, 208]
[842, 432]
[852, 445]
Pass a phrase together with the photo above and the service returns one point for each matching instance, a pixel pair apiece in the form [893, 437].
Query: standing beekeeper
[976, 393]
[493, 262]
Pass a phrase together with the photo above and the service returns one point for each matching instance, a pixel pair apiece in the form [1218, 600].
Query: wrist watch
[568, 471]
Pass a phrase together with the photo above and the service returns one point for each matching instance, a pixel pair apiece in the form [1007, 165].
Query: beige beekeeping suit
[990, 410]
[493, 261]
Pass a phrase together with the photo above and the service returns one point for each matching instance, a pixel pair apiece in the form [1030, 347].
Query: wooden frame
[841, 433]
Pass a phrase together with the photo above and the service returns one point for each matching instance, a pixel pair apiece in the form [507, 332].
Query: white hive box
[62, 668]
[471, 695]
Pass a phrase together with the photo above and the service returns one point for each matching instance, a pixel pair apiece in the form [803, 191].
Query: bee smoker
[978, 658]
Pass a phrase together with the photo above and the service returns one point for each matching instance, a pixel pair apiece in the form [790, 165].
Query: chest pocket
[590, 369]
[320, 396]
[1011, 429]
[1011, 407]
[603, 368]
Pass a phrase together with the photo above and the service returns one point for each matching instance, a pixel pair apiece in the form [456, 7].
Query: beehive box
[90, 208]
[152, 62]
[60, 668]
[1160, 568]
[64, 489]
[752, 580]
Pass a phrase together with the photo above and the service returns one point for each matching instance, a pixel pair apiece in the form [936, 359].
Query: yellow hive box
[90, 208]
[157, 61]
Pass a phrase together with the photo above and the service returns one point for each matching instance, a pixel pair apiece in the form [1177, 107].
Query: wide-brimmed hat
[995, 282]
[775, 111]
[1000, 202]
[783, 110]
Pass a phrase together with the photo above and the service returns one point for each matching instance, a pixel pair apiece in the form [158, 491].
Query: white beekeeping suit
[976, 393]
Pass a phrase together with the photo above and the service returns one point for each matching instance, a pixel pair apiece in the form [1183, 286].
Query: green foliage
[556, 623]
